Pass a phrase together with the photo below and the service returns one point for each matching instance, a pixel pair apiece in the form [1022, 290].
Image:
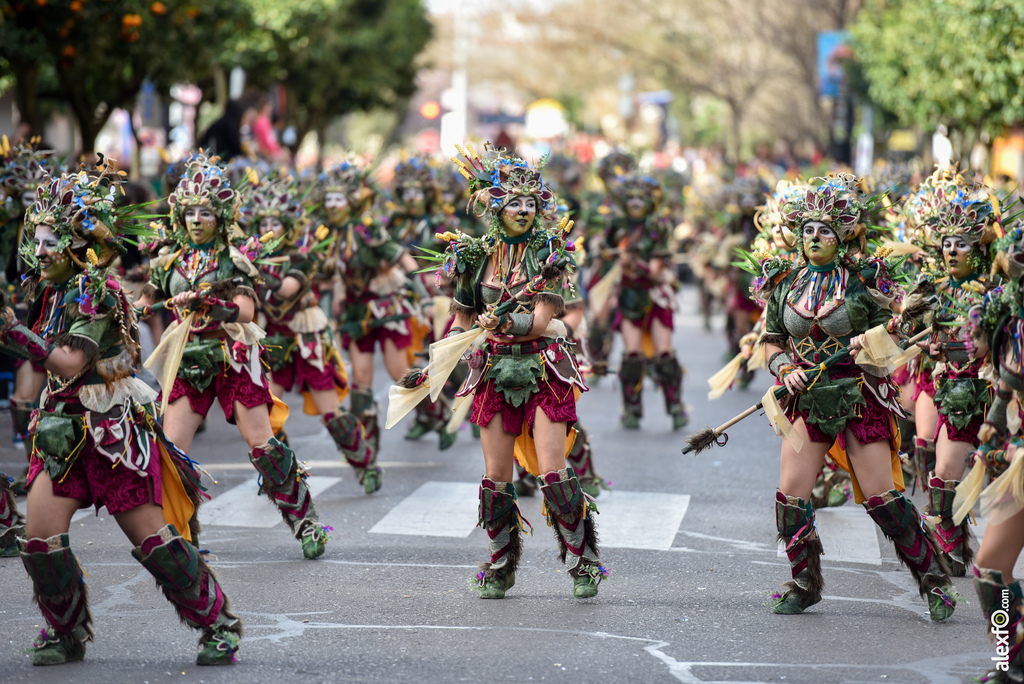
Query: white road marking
[640, 520]
[241, 506]
[848, 535]
[436, 509]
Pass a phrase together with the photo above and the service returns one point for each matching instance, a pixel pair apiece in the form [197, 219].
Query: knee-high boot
[365, 409]
[581, 458]
[631, 378]
[192, 587]
[924, 460]
[794, 519]
[500, 518]
[284, 481]
[570, 514]
[901, 523]
[669, 373]
[62, 597]
[1002, 600]
[347, 433]
[12, 522]
[954, 540]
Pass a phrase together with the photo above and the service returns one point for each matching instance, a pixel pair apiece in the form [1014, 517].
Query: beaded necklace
[197, 260]
[507, 258]
[819, 285]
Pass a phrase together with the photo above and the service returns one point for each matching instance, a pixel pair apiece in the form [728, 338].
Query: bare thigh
[872, 464]
[950, 457]
[47, 514]
[253, 424]
[1001, 545]
[395, 360]
[799, 469]
[180, 424]
[499, 450]
[141, 522]
[362, 366]
[632, 337]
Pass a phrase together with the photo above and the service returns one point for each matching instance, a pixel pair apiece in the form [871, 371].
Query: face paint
[636, 207]
[337, 208]
[517, 216]
[200, 225]
[956, 253]
[54, 264]
[820, 243]
[414, 201]
[28, 199]
[271, 224]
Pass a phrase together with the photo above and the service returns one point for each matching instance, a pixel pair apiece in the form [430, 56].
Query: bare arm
[65, 362]
[290, 287]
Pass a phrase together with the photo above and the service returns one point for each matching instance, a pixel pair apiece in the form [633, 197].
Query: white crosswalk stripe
[436, 509]
[640, 520]
[241, 506]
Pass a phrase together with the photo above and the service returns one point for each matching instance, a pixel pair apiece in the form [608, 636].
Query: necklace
[196, 262]
[819, 285]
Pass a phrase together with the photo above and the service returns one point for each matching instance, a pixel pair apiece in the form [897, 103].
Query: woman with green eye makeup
[816, 308]
[952, 221]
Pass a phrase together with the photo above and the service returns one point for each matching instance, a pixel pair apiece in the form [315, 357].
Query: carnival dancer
[815, 310]
[952, 220]
[95, 439]
[645, 300]
[300, 347]
[371, 300]
[415, 220]
[524, 379]
[27, 170]
[999, 334]
[214, 350]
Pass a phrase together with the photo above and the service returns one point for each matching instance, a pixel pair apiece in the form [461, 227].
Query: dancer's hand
[488, 322]
[855, 346]
[182, 299]
[795, 381]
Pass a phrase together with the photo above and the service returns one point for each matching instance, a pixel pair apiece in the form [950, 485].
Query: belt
[522, 349]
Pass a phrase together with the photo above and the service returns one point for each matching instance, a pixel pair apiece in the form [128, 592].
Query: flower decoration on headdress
[26, 168]
[497, 178]
[203, 184]
[351, 180]
[637, 184]
[81, 210]
[832, 200]
[275, 199]
[947, 205]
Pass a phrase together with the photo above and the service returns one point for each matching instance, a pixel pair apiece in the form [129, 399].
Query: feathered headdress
[496, 179]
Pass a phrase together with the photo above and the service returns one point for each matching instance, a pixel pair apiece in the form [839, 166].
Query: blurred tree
[102, 51]
[340, 56]
[952, 62]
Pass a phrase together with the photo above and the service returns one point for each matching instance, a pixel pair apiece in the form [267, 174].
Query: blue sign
[833, 49]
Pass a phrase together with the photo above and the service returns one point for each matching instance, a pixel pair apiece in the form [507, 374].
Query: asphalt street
[690, 542]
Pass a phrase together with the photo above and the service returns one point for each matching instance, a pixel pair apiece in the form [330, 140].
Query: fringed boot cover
[900, 521]
[794, 520]
[954, 540]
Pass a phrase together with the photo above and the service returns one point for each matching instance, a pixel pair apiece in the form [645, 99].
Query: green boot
[794, 519]
[417, 431]
[500, 518]
[915, 546]
[631, 380]
[570, 514]
[219, 647]
[314, 540]
[446, 439]
[51, 648]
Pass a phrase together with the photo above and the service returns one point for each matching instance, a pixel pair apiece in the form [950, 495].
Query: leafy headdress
[947, 205]
[771, 217]
[496, 178]
[276, 199]
[203, 184]
[637, 184]
[351, 180]
[417, 172]
[834, 201]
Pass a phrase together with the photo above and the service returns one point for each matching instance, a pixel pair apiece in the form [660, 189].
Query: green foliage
[103, 50]
[339, 56]
[944, 61]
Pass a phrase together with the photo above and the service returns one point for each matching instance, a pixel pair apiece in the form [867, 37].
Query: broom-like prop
[708, 437]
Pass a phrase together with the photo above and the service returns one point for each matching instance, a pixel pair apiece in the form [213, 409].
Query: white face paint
[820, 243]
[271, 224]
[956, 252]
[28, 198]
[201, 225]
[517, 216]
[337, 207]
[54, 264]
